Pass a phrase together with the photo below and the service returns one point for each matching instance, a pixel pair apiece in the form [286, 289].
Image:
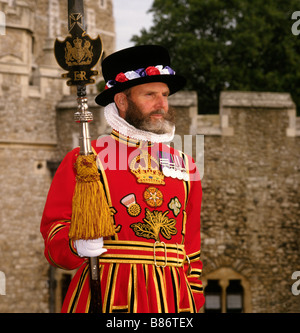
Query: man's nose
[162, 102]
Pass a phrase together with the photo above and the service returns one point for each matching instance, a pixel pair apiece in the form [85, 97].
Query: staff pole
[91, 215]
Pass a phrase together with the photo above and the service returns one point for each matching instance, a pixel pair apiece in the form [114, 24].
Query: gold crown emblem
[146, 169]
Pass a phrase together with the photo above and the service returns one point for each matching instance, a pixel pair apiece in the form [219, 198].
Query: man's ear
[121, 103]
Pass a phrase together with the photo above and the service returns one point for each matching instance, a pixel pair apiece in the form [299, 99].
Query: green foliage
[228, 45]
[100, 86]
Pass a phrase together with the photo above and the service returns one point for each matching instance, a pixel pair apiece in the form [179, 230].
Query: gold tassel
[91, 215]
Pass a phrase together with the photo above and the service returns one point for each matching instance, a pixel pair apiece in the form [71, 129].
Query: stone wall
[251, 186]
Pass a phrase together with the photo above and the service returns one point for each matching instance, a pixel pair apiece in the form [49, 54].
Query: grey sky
[130, 17]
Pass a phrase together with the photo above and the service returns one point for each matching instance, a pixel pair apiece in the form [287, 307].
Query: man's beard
[136, 118]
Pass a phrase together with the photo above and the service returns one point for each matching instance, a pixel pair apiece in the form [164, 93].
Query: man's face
[146, 107]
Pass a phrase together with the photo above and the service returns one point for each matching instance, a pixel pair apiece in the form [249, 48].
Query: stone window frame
[224, 275]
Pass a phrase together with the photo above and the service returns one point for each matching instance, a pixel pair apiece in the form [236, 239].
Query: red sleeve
[193, 239]
[57, 214]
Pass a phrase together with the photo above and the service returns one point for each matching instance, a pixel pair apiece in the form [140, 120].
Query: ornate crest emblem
[80, 54]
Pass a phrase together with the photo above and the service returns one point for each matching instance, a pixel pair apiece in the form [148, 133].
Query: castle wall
[250, 210]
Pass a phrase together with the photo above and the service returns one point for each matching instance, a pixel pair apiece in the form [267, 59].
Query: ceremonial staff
[91, 215]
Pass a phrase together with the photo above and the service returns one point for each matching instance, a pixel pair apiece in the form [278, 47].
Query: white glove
[89, 248]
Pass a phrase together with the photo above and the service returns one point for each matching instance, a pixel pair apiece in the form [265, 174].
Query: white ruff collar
[121, 125]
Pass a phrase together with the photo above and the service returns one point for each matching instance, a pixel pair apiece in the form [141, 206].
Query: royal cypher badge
[78, 53]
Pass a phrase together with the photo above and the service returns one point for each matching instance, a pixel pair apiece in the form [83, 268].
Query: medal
[166, 163]
[173, 166]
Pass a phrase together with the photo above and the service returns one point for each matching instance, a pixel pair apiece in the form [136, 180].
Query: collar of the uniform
[130, 142]
[126, 130]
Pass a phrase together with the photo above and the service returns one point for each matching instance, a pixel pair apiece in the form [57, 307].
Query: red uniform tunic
[153, 263]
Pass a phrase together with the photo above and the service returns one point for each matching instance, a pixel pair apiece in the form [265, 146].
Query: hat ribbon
[139, 73]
